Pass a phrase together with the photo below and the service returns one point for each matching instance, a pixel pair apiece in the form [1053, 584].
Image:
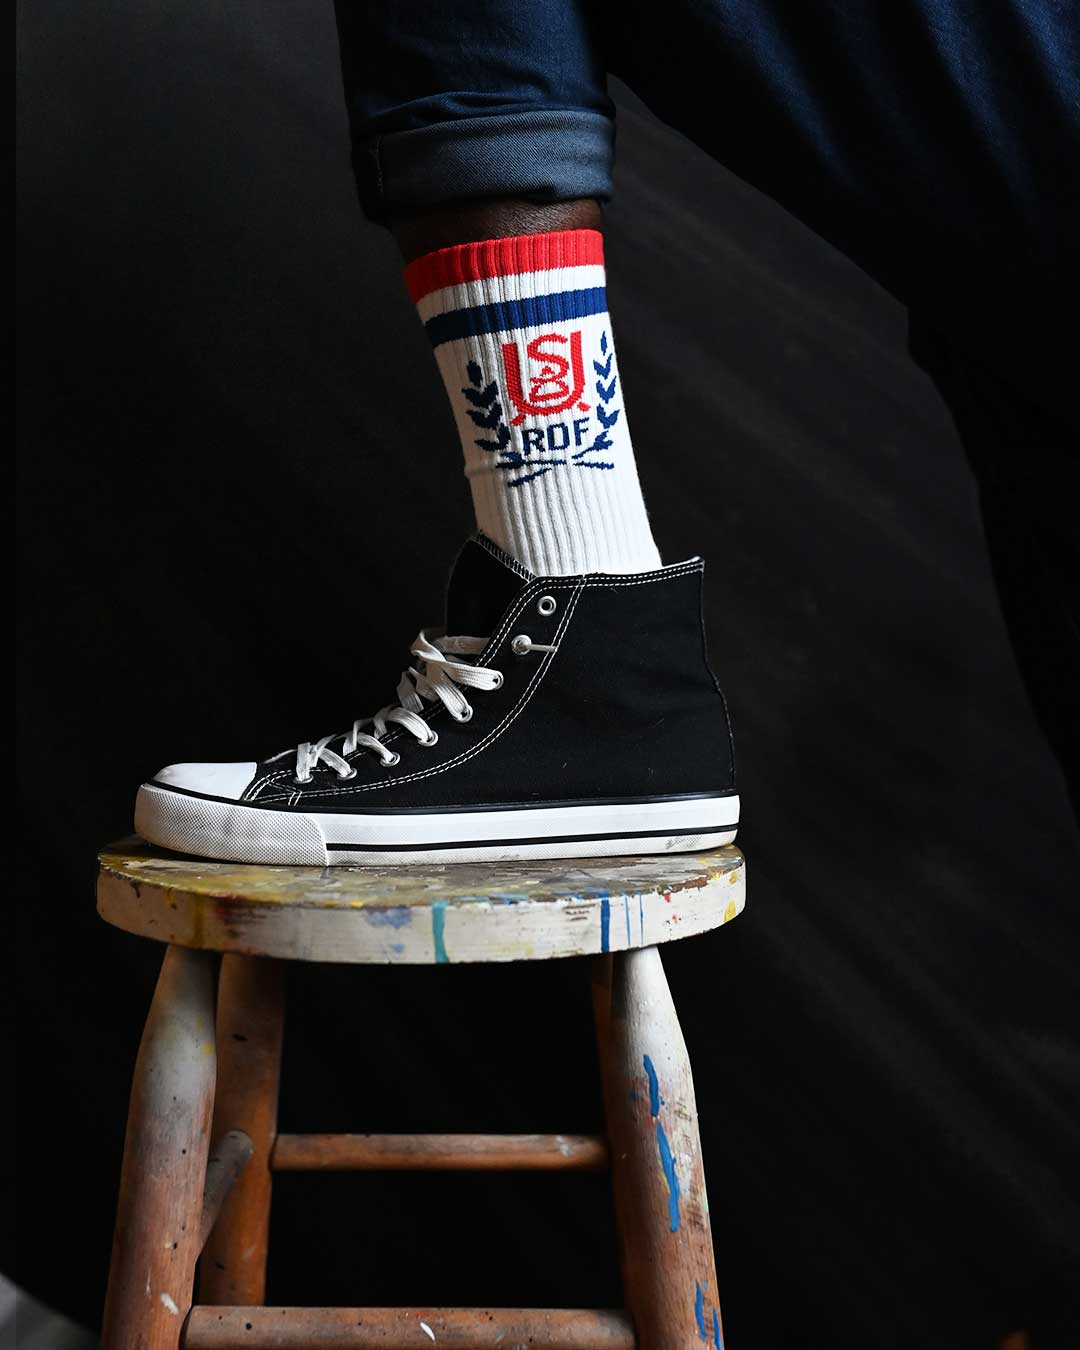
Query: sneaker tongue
[481, 586]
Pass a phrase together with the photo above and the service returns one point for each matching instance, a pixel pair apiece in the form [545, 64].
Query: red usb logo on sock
[549, 390]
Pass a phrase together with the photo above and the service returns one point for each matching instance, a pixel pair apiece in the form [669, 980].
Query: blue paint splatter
[699, 1313]
[667, 1162]
[397, 946]
[654, 1087]
[508, 897]
[605, 924]
[641, 918]
[626, 911]
[718, 1340]
[438, 926]
[399, 917]
[667, 1159]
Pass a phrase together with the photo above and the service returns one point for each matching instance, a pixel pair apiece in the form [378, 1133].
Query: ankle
[424, 231]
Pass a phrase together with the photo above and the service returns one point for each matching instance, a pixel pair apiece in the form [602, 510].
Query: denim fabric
[452, 102]
[545, 155]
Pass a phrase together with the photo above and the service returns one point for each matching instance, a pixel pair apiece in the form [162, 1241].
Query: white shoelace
[437, 681]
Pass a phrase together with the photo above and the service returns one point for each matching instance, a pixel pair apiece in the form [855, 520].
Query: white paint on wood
[421, 915]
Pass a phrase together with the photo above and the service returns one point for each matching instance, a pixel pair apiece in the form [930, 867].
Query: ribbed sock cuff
[487, 258]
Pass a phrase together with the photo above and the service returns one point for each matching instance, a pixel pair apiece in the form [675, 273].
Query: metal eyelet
[433, 739]
[466, 716]
[301, 782]
[344, 777]
[499, 682]
[546, 605]
[521, 645]
[393, 759]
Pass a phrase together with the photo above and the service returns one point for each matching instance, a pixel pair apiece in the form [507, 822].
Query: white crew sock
[523, 340]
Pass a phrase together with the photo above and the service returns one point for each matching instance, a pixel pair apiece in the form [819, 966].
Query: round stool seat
[419, 915]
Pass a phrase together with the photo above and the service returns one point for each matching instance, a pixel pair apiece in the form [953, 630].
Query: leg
[156, 1243]
[483, 135]
[488, 157]
[948, 177]
[669, 1273]
[250, 1020]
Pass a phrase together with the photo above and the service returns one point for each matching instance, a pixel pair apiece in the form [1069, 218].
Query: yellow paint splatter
[731, 911]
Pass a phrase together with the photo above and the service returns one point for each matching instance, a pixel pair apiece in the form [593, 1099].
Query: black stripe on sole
[362, 808]
[537, 839]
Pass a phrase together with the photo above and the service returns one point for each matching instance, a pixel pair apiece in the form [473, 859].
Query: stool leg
[156, 1241]
[250, 1021]
[661, 1208]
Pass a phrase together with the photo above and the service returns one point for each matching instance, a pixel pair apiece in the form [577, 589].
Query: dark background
[241, 490]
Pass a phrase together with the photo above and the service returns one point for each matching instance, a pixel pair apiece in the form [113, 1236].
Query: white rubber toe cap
[215, 780]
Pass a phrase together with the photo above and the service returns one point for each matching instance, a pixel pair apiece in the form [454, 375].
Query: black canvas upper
[483, 581]
[626, 707]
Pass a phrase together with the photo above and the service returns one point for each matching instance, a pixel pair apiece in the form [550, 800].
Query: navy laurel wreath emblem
[537, 456]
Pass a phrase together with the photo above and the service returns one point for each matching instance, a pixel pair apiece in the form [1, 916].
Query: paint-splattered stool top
[419, 915]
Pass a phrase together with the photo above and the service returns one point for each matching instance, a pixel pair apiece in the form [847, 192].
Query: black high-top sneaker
[587, 723]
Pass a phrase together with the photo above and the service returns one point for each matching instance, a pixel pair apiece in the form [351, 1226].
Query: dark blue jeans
[936, 142]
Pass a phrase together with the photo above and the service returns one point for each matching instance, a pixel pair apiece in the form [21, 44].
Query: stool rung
[212, 1328]
[439, 1152]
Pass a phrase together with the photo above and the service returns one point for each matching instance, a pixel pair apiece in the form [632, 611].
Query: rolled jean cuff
[547, 155]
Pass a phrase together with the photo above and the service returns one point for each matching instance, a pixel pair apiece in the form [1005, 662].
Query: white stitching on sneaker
[438, 679]
[276, 775]
[492, 735]
[525, 597]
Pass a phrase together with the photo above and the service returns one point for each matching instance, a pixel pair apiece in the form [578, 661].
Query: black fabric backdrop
[241, 490]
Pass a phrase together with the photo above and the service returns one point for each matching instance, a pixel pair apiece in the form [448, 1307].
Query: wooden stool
[202, 1141]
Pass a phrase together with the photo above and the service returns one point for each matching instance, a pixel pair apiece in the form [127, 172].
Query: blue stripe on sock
[532, 312]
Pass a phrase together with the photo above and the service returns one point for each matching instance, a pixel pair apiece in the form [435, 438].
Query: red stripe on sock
[501, 258]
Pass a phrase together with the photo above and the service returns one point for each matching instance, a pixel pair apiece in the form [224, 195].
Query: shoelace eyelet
[301, 782]
[546, 605]
[499, 682]
[521, 645]
[344, 777]
[431, 740]
[391, 760]
[466, 716]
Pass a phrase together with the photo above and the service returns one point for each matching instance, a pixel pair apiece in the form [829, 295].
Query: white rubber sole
[210, 827]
